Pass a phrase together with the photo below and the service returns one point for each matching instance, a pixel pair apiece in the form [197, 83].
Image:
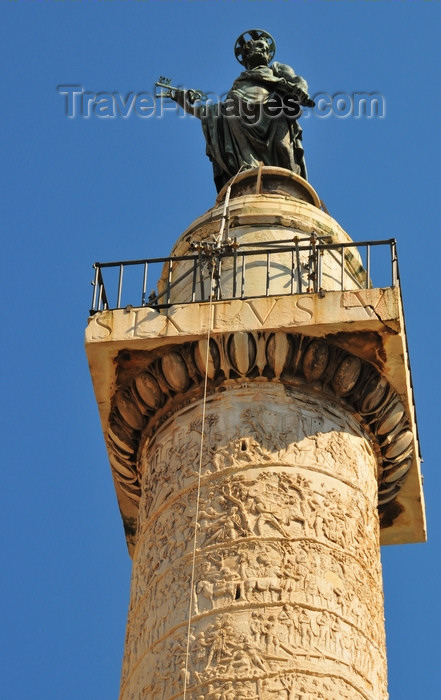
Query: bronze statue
[257, 122]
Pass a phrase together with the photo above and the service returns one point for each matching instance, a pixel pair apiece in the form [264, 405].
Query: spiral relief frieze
[175, 377]
[285, 594]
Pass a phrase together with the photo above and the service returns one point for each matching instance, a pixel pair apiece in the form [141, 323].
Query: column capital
[163, 370]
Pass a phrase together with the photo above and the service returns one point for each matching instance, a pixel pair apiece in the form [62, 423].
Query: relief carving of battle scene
[286, 567]
[298, 429]
[266, 652]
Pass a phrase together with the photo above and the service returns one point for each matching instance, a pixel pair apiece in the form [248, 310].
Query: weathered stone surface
[148, 389]
[267, 218]
[206, 355]
[174, 370]
[287, 586]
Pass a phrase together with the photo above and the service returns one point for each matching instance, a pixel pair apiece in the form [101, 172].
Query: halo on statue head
[253, 34]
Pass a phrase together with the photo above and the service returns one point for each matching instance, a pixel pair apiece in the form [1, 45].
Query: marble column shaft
[287, 595]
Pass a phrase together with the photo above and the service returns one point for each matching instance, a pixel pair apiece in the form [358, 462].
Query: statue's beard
[257, 58]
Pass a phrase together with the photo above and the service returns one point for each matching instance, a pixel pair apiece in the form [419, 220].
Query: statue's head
[256, 52]
[255, 48]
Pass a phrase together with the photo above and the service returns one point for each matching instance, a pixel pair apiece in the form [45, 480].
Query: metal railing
[202, 273]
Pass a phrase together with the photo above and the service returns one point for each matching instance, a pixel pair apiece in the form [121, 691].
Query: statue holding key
[258, 121]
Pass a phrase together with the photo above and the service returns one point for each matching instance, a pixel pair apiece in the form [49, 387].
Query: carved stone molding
[153, 385]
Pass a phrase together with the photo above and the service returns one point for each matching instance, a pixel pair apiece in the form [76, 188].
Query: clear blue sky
[80, 190]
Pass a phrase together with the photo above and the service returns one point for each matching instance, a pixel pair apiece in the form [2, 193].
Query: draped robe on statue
[241, 132]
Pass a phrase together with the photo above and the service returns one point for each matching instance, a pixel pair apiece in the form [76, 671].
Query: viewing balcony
[228, 270]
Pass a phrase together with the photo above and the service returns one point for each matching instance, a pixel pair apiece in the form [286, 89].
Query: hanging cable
[225, 212]
[218, 240]
[198, 493]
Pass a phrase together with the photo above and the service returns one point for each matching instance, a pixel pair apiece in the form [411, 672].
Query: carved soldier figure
[322, 621]
[271, 637]
[229, 692]
[212, 693]
[315, 520]
[199, 650]
[305, 628]
[248, 648]
[205, 516]
[240, 664]
[336, 635]
[266, 516]
[286, 620]
[302, 569]
[239, 510]
[217, 640]
[204, 587]
[257, 627]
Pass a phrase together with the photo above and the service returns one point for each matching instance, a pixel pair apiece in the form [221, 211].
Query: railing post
[342, 272]
[95, 288]
[217, 270]
[169, 280]
[103, 295]
[292, 271]
[316, 264]
[201, 276]
[319, 268]
[234, 272]
[313, 264]
[144, 284]
[268, 261]
[393, 251]
[368, 266]
[299, 269]
[120, 281]
[100, 297]
[195, 272]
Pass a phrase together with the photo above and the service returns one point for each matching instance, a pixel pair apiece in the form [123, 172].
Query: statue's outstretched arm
[189, 101]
